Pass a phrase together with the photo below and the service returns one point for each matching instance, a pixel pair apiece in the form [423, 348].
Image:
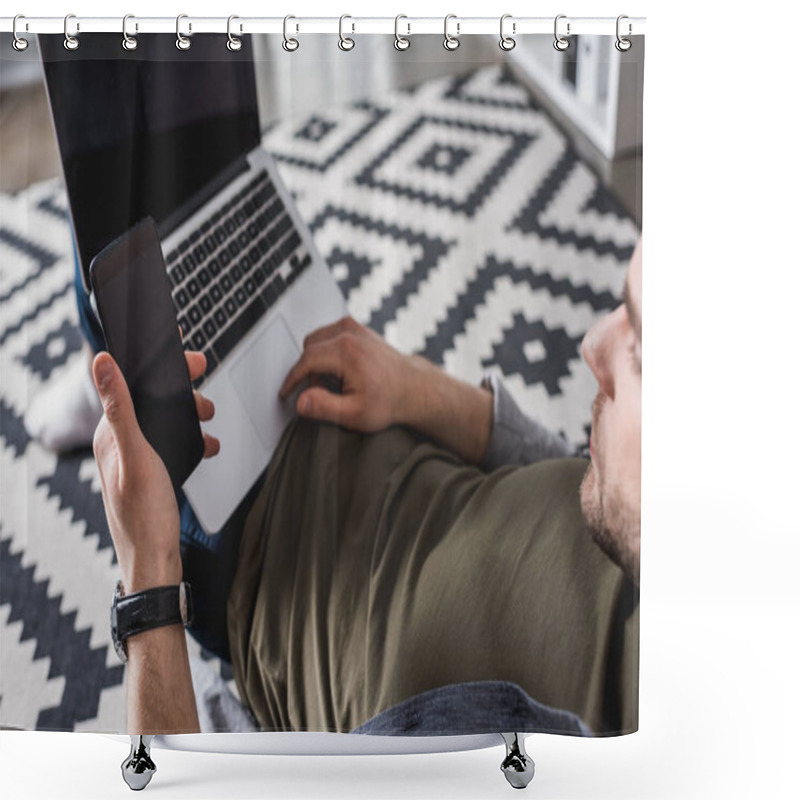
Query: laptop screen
[146, 134]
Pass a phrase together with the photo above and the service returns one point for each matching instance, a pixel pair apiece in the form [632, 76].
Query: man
[380, 389]
[611, 490]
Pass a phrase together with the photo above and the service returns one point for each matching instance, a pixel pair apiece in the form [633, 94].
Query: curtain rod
[407, 26]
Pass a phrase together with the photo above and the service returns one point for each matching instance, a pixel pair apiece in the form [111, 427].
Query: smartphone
[132, 292]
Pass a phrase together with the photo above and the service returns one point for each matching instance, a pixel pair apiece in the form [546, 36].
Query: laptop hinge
[199, 199]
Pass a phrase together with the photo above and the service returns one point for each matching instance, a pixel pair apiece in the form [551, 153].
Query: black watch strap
[151, 608]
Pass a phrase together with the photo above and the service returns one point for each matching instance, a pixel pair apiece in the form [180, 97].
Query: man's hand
[377, 382]
[137, 493]
[382, 387]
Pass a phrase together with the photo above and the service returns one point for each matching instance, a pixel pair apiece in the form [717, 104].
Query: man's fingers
[205, 408]
[343, 325]
[117, 403]
[323, 357]
[320, 404]
[210, 445]
[196, 362]
[205, 412]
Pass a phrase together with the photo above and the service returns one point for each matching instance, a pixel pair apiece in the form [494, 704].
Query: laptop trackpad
[258, 376]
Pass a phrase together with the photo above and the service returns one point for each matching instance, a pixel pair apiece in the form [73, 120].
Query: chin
[590, 498]
[615, 530]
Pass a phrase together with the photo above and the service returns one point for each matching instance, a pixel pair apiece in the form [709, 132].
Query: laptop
[176, 136]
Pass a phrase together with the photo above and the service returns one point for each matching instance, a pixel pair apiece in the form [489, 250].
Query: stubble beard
[611, 526]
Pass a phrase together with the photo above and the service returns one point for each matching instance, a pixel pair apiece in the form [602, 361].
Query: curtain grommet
[401, 43]
[451, 42]
[71, 43]
[346, 43]
[561, 43]
[622, 44]
[19, 43]
[290, 44]
[233, 44]
[507, 42]
[129, 43]
[182, 42]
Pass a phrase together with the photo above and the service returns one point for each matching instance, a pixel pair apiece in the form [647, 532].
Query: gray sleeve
[517, 438]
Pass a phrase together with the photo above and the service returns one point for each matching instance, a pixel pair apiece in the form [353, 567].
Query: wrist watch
[148, 609]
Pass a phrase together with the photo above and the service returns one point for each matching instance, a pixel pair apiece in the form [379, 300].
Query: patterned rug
[459, 223]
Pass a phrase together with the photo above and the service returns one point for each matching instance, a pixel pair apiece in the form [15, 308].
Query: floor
[26, 129]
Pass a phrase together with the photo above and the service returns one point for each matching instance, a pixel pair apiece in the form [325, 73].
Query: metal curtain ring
[561, 43]
[451, 42]
[345, 42]
[182, 43]
[19, 44]
[70, 42]
[129, 42]
[400, 42]
[289, 44]
[234, 44]
[506, 42]
[622, 44]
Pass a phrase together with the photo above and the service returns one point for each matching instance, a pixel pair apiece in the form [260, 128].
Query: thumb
[117, 403]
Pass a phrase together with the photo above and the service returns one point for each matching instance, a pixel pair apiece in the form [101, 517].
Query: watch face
[118, 645]
[182, 602]
[185, 602]
[120, 649]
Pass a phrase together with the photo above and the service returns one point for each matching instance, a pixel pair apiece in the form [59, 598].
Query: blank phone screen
[141, 329]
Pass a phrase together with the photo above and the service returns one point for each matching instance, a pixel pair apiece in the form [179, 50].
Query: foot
[65, 414]
[138, 768]
[518, 766]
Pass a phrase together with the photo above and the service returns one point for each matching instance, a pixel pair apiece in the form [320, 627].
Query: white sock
[65, 414]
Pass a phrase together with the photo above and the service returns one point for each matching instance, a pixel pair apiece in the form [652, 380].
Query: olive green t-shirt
[376, 567]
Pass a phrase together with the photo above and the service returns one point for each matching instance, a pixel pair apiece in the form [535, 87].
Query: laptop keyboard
[233, 268]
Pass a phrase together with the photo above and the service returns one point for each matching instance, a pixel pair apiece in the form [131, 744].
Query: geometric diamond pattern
[315, 129]
[404, 168]
[444, 158]
[459, 223]
[556, 349]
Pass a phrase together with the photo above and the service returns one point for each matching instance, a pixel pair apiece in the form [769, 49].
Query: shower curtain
[443, 539]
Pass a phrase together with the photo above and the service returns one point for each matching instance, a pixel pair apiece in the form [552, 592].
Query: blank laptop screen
[146, 134]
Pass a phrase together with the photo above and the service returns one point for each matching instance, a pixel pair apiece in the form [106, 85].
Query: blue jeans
[209, 562]
[476, 707]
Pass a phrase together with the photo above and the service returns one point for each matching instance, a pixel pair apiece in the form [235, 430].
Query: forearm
[160, 693]
[455, 413]
[144, 523]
